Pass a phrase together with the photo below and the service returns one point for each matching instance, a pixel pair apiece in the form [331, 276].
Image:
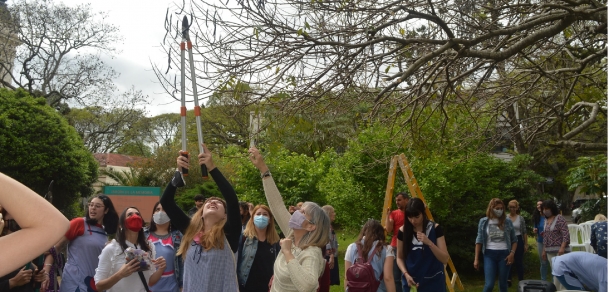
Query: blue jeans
[494, 264]
[565, 284]
[544, 265]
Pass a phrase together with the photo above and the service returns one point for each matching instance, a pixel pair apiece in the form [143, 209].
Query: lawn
[472, 282]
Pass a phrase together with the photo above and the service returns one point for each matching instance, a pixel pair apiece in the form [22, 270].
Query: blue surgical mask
[261, 221]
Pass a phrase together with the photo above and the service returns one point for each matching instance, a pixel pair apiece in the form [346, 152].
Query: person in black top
[206, 234]
[257, 251]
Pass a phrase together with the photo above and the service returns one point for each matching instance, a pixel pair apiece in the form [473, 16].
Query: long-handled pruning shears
[189, 46]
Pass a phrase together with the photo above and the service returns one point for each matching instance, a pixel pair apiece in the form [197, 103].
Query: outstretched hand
[257, 159]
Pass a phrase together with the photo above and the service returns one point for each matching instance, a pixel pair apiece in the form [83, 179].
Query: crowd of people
[222, 244]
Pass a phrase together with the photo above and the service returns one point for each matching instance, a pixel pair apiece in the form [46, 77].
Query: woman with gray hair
[300, 263]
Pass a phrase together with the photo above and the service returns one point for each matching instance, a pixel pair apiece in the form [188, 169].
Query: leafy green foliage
[296, 175]
[186, 198]
[38, 146]
[458, 192]
[590, 175]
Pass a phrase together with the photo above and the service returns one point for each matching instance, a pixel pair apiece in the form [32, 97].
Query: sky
[141, 26]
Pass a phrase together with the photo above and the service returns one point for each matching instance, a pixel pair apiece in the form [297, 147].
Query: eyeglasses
[303, 212]
[95, 206]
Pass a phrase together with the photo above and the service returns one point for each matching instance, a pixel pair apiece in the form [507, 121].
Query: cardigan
[302, 273]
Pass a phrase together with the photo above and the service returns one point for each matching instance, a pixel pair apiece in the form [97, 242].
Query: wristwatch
[266, 174]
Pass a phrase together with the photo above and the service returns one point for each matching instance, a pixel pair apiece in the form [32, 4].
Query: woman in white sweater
[300, 263]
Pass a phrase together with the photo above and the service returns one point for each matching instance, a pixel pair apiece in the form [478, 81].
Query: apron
[423, 266]
[83, 257]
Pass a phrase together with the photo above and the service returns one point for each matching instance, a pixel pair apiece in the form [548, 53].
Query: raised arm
[274, 198]
[179, 219]
[233, 226]
[48, 223]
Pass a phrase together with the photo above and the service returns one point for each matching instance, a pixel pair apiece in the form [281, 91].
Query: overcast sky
[141, 26]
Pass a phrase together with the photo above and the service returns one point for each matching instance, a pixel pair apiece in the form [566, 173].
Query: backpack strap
[359, 251]
[378, 248]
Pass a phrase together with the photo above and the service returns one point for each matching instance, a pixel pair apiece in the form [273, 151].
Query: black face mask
[11, 225]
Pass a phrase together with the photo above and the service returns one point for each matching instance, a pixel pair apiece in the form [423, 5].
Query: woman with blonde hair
[300, 262]
[211, 236]
[521, 233]
[259, 247]
[599, 235]
[497, 240]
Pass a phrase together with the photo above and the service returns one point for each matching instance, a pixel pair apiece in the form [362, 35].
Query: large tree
[60, 53]
[107, 128]
[38, 146]
[537, 67]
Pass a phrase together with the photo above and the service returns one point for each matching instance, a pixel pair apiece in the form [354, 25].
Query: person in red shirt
[394, 221]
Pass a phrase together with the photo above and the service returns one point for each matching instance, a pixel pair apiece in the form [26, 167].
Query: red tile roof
[113, 159]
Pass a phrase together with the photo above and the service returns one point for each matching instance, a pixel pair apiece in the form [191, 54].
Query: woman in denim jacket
[167, 241]
[258, 248]
[497, 240]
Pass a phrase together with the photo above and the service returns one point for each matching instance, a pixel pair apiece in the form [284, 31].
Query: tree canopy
[38, 146]
[537, 67]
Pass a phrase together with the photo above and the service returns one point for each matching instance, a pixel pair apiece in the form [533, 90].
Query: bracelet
[512, 251]
[266, 174]
[48, 264]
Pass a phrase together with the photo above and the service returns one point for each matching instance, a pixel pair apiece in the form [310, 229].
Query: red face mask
[134, 223]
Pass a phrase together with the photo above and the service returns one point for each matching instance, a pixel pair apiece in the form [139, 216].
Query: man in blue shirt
[581, 271]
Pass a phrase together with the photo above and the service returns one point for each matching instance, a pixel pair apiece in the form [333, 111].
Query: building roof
[113, 159]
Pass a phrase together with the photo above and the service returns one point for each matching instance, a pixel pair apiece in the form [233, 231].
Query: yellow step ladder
[407, 172]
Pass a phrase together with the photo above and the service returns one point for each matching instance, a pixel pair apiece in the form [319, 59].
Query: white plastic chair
[575, 229]
[586, 236]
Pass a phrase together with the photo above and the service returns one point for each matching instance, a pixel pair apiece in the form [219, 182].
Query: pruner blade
[185, 28]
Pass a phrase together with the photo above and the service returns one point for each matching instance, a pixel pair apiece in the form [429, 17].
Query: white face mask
[498, 213]
[160, 217]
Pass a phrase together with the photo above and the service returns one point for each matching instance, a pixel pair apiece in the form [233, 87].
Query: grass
[472, 282]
